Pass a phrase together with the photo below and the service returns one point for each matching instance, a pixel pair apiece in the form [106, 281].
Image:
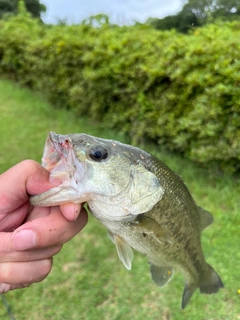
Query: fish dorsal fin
[145, 190]
[124, 251]
[150, 227]
[161, 275]
[206, 218]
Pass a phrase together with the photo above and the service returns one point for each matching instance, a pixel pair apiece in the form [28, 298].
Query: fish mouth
[66, 171]
[60, 160]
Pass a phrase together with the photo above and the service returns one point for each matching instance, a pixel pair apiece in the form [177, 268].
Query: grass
[87, 280]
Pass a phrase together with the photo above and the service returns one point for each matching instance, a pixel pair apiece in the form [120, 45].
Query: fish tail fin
[212, 283]
[187, 293]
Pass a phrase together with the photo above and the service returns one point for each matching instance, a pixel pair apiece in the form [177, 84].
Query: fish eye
[98, 153]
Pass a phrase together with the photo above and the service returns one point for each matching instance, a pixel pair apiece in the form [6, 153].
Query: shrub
[181, 91]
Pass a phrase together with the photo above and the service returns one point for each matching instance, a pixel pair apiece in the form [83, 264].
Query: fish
[143, 204]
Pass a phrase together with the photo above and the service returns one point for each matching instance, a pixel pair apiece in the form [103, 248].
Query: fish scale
[143, 204]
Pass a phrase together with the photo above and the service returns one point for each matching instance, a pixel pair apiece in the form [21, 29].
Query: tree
[228, 10]
[197, 13]
[181, 22]
[6, 7]
[11, 7]
[206, 10]
[199, 8]
[35, 7]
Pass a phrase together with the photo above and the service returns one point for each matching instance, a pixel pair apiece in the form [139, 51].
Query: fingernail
[24, 239]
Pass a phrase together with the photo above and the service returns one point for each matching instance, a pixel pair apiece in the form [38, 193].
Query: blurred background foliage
[178, 90]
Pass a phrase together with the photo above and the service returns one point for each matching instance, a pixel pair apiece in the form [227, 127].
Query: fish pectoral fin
[162, 236]
[205, 218]
[145, 190]
[124, 251]
[150, 227]
[161, 275]
[111, 236]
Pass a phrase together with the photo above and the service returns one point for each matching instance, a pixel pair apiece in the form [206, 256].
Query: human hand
[31, 236]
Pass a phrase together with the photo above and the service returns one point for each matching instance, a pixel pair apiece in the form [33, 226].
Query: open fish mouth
[59, 159]
[66, 171]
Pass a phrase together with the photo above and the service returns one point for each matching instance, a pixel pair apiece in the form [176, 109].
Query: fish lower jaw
[108, 214]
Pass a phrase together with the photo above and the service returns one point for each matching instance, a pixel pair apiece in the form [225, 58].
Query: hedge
[181, 91]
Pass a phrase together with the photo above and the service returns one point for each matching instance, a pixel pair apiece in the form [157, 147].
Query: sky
[119, 11]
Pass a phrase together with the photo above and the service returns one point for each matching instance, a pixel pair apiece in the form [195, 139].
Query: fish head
[108, 175]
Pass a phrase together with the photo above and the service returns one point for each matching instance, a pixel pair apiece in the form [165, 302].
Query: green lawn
[87, 280]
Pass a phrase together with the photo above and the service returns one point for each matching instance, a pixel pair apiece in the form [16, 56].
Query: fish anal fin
[161, 275]
[206, 218]
[124, 251]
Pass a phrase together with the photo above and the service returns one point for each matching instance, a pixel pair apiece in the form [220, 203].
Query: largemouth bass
[143, 204]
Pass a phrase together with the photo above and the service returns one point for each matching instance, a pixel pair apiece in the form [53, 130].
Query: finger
[5, 287]
[29, 177]
[38, 212]
[17, 273]
[70, 210]
[48, 231]
[32, 255]
[8, 254]
[9, 222]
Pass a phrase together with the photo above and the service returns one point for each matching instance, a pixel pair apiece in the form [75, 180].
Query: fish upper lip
[62, 145]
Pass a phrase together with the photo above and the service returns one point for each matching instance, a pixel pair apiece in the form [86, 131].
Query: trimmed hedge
[182, 91]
